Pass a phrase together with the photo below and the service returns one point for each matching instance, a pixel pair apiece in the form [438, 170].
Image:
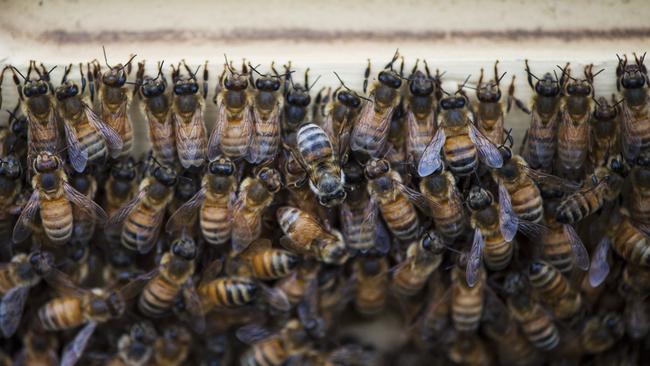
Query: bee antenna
[127, 63]
[395, 57]
[312, 84]
[564, 72]
[254, 69]
[106, 58]
[228, 66]
[12, 114]
[619, 102]
[596, 101]
[501, 77]
[463, 85]
[531, 74]
[160, 68]
[19, 73]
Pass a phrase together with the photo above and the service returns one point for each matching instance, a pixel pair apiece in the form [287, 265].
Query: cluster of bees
[259, 242]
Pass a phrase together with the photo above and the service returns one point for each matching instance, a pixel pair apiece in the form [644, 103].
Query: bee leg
[217, 88]
[91, 82]
[83, 78]
[401, 68]
[530, 75]
[17, 82]
[139, 76]
[366, 75]
[129, 68]
[205, 79]
[511, 98]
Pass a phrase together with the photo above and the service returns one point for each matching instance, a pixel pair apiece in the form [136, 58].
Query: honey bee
[604, 186]
[38, 106]
[369, 133]
[605, 132]
[266, 109]
[120, 187]
[541, 138]
[631, 243]
[371, 273]
[174, 273]
[157, 108]
[635, 117]
[214, 201]
[422, 258]
[574, 124]
[537, 325]
[38, 349]
[446, 203]
[142, 216]
[457, 140]
[54, 198]
[420, 105]
[553, 289]
[315, 155]
[395, 200]
[272, 349]
[297, 100]
[135, 348]
[83, 226]
[304, 234]
[10, 188]
[236, 291]
[89, 139]
[172, 348]
[188, 107]
[114, 100]
[266, 263]
[16, 278]
[467, 300]
[233, 130]
[255, 196]
[601, 332]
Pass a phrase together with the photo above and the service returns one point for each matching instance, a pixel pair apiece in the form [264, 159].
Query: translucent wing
[431, 159]
[190, 137]
[145, 243]
[579, 251]
[121, 214]
[194, 307]
[85, 204]
[424, 203]
[599, 268]
[252, 333]
[75, 349]
[77, 153]
[118, 121]
[134, 287]
[182, 215]
[261, 148]
[414, 145]
[532, 230]
[371, 131]
[22, 228]
[275, 297]
[245, 227]
[217, 132]
[487, 151]
[631, 141]
[549, 179]
[369, 217]
[112, 138]
[11, 309]
[382, 238]
[62, 283]
[475, 257]
[508, 220]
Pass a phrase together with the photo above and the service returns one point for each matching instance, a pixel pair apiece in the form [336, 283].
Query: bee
[83, 226]
[266, 263]
[187, 109]
[174, 273]
[601, 332]
[172, 348]
[16, 278]
[135, 348]
[604, 186]
[370, 292]
[214, 201]
[141, 217]
[541, 138]
[490, 241]
[39, 107]
[255, 196]
[157, 108]
[54, 198]
[233, 130]
[604, 138]
[422, 258]
[458, 140]
[114, 100]
[120, 187]
[341, 114]
[420, 105]
[10, 188]
[297, 100]
[574, 124]
[236, 291]
[370, 131]
[89, 138]
[490, 111]
[554, 289]
[304, 234]
[635, 124]
[266, 109]
[446, 204]
[466, 300]
[38, 349]
[537, 325]
[315, 155]
[631, 243]
[272, 349]
[395, 200]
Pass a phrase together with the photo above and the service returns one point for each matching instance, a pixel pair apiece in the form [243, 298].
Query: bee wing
[293, 247]
[11, 309]
[191, 137]
[423, 202]
[631, 142]
[134, 287]
[475, 257]
[217, 131]
[85, 204]
[252, 333]
[75, 349]
[121, 214]
[62, 283]
[113, 139]
[382, 238]
[259, 149]
[368, 127]
[22, 228]
[599, 268]
[275, 297]
[580, 254]
[431, 160]
[77, 153]
[194, 307]
[182, 215]
[369, 217]
[488, 152]
[508, 220]
[244, 228]
[549, 179]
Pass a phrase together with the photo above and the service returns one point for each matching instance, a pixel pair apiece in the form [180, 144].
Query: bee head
[153, 87]
[115, 77]
[165, 176]
[390, 78]
[222, 165]
[548, 86]
[349, 99]
[77, 252]
[46, 162]
[184, 248]
[19, 126]
[116, 304]
[376, 168]
[124, 170]
[436, 183]
[453, 102]
[420, 85]
[235, 82]
[488, 92]
[81, 182]
[431, 242]
[186, 87]
[633, 76]
[579, 88]
[479, 198]
[298, 96]
[41, 262]
[10, 167]
[514, 283]
[270, 178]
[268, 83]
[67, 90]
[34, 88]
[143, 332]
[331, 190]
[537, 267]
[604, 111]
[618, 166]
